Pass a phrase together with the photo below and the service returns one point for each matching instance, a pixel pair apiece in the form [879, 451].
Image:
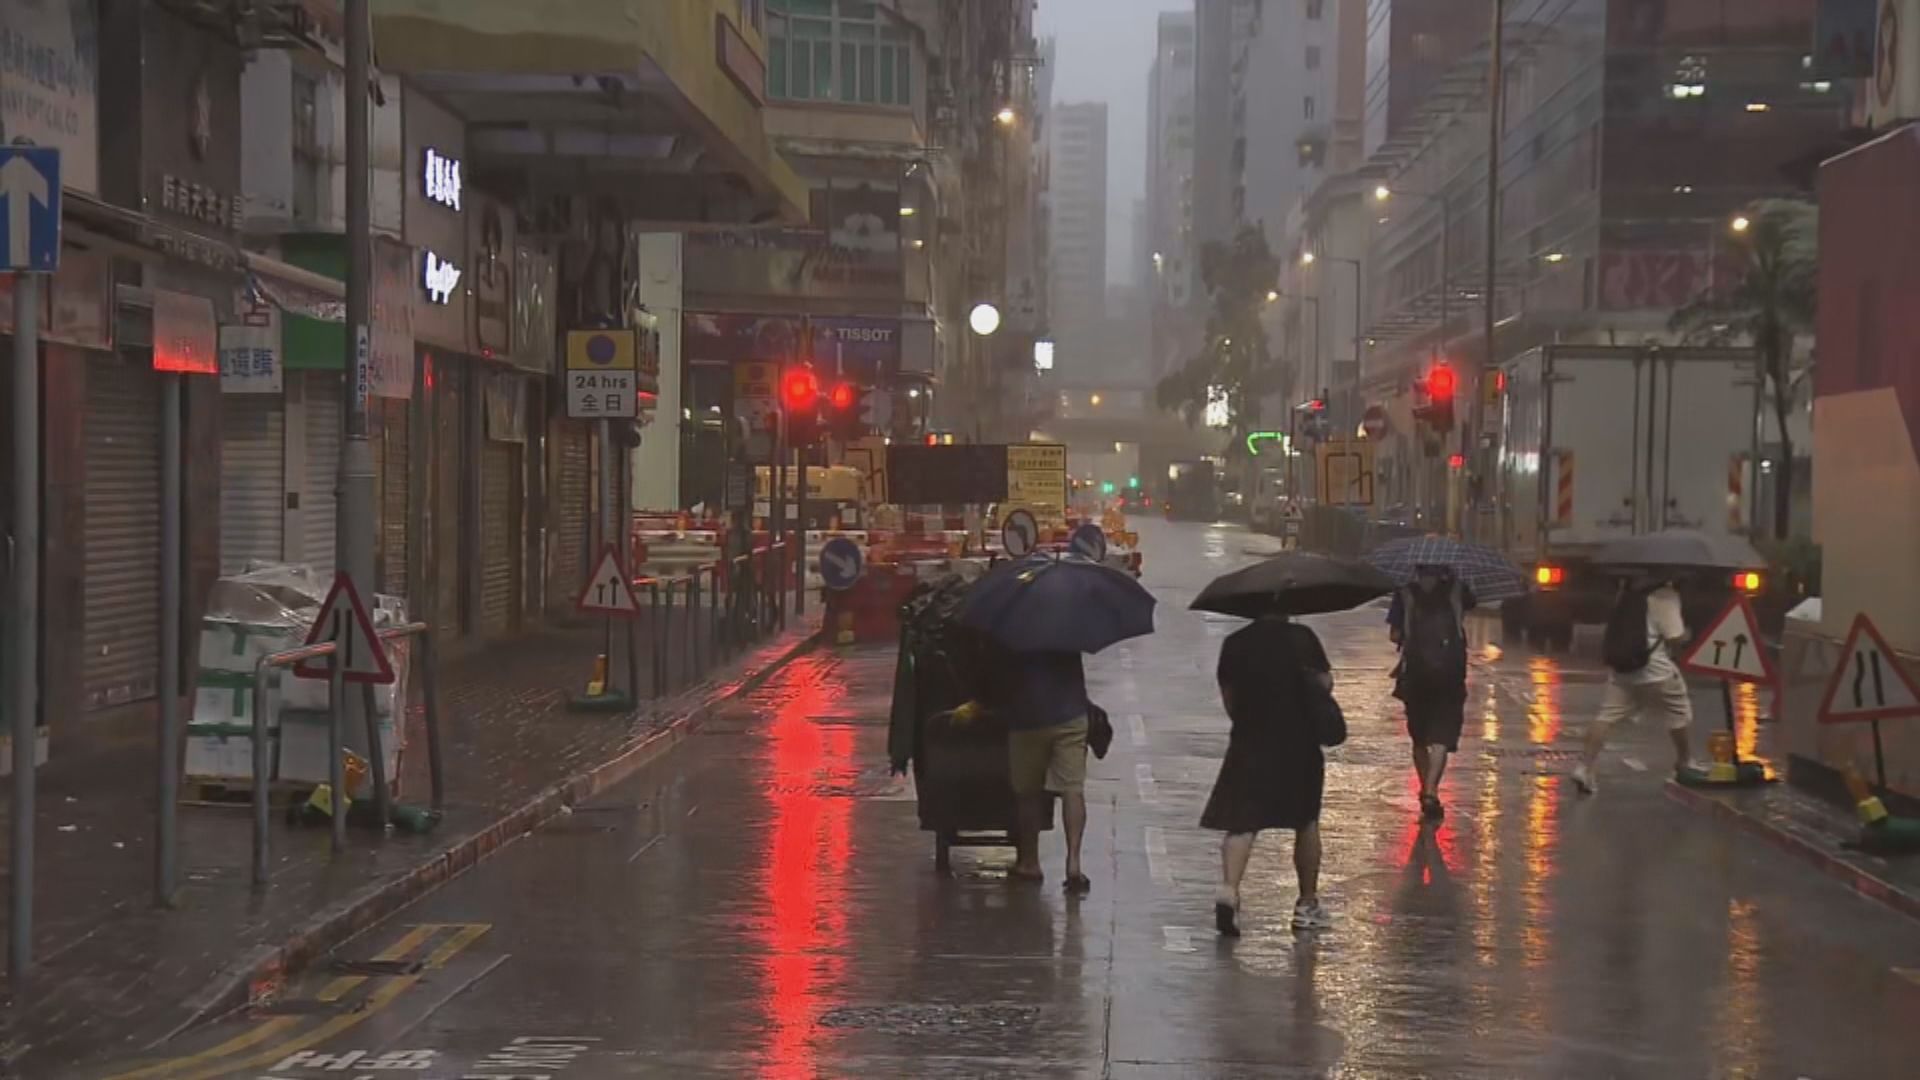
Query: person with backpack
[1644, 627]
[1428, 622]
[1277, 687]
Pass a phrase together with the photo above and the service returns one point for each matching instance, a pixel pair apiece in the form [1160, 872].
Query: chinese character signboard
[392, 359]
[49, 82]
[250, 361]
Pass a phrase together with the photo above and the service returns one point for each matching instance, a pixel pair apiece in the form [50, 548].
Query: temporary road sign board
[1868, 683]
[840, 562]
[1346, 472]
[1090, 541]
[1021, 534]
[343, 621]
[1732, 648]
[30, 208]
[608, 592]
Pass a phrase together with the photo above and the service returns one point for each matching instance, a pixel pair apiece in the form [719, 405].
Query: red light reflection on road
[804, 932]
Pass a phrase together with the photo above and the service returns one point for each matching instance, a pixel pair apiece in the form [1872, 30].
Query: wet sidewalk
[114, 974]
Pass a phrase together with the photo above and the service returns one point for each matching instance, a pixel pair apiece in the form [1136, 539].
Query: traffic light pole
[353, 540]
[1496, 119]
[800, 534]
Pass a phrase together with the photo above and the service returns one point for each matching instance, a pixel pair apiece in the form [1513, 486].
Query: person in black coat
[1274, 771]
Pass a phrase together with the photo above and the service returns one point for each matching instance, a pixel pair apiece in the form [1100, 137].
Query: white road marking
[1155, 841]
[644, 848]
[1634, 763]
[1179, 938]
[1148, 788]
[1137, 729]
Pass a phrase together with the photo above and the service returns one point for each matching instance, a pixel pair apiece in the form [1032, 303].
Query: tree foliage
[1768, 306]
[1232, 359]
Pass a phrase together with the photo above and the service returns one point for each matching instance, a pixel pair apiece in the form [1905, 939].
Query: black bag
[1323, 712]
[1627, 647]
[1099, 730]
[1433, 646]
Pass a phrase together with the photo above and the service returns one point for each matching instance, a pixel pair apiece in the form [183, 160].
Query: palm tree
[1768, 306]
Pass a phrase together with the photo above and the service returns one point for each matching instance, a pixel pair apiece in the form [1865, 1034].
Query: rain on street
[761, 903]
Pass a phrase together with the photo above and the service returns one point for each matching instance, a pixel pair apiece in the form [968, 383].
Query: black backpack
[1433, 648]
[1627, 647]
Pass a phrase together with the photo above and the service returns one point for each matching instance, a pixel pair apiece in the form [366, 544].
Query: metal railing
[741, 606]
[266, 764]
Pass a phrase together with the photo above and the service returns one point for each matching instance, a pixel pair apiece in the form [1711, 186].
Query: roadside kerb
[1858, 878]
[270, 965]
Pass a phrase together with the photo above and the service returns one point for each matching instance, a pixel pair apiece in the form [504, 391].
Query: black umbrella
[1058, 603]
[1293, 583]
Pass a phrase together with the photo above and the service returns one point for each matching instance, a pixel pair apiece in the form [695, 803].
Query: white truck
[1599, 442]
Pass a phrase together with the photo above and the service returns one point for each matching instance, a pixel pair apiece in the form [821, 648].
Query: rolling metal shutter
[393, 465]
[253, 452]
[449, 426]
[497, 520]
[320, 504]
[573, 512]
[122, 572]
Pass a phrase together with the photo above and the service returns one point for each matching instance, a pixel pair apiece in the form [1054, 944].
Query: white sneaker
[1310, 915]
[1583, 779]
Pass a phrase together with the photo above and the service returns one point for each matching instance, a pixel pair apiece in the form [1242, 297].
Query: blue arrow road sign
[840, 561]
[30, 208]
[1090, 541]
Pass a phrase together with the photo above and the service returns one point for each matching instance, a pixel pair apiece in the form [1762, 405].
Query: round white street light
[1742, 223]
[1382, 193]
[1306, 258]
[984, 319]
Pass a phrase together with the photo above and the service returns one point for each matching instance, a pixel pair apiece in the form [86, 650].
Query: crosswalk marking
[1155, 840]
[1137, 729]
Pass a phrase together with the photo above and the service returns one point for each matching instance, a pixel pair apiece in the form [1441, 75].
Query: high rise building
[1169, 264]
[1077, 237]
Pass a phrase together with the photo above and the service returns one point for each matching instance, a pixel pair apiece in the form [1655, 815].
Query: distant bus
[1192, 493]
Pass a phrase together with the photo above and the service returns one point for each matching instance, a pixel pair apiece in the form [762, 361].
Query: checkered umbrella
[1490, 575]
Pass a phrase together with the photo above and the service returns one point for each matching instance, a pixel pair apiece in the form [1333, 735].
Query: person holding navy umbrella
[1044, 611]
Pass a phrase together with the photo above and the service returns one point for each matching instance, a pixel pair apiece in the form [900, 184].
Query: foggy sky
[1106, 47]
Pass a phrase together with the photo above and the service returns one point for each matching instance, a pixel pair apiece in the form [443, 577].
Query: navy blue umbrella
[1491, 575]
[1058, 603]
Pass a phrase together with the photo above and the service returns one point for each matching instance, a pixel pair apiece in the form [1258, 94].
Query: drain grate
[1532, 753]
[914, 1018]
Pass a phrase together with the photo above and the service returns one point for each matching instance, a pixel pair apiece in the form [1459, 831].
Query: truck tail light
[1748, 581]
[1550, 577]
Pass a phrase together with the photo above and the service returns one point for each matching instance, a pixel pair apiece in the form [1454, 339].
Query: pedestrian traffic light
[1133, 481]
[1438, 387]
[1106, 487]
[800, 400]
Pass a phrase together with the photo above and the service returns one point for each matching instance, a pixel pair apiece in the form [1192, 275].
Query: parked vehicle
[1600, 442]
[1192, 492]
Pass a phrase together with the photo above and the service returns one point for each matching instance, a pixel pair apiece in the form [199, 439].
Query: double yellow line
[226, 1058]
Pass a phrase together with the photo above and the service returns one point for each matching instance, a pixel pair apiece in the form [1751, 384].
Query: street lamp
[1094, 401]
[1381, 193]
[1359, 334]
[1006, 116]
[1306, 258]
[1741, 223]
[984, 319]
[1272, 295]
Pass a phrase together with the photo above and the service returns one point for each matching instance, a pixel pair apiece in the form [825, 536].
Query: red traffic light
[1316, 405]
[1457, 462]
[844, 396]
[1440, 382]
[799, 389]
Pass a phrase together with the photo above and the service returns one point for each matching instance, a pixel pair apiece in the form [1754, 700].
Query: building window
[1313, 58]
[1314, 8]
[1309, 107]
[837, 50]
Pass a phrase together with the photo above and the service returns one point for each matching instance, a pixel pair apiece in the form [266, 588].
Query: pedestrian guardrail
[264, 765]
[742, 599]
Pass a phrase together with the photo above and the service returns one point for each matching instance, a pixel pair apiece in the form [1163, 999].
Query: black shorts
[1436, 723]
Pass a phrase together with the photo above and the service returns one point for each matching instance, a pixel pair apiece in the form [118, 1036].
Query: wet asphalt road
[761, 904]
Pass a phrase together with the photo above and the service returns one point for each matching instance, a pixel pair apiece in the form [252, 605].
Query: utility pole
[353, 540]
[22, 667]
[1496, 117]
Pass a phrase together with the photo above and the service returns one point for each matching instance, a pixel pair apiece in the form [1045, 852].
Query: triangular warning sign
[607, 591]
[1732, 648]
[343, 620]
[1868, 683]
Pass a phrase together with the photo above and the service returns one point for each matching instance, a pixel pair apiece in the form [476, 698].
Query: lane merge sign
[1089, 541]
[1020, 534]
[30, 209]
[1732, 648]
[343, 622]
[840, 563]
[1868, 683]
[608, 592]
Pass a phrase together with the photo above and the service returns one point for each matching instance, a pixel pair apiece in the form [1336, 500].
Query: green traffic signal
[1106, 487]
[1133, 481]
